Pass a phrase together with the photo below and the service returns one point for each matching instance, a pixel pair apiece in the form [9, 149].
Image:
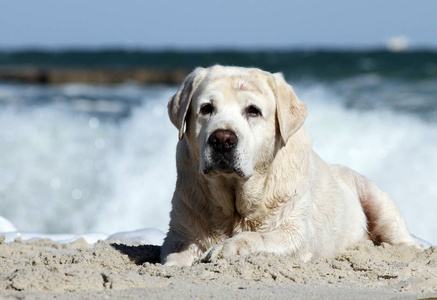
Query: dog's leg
[284, 240]
[384, 221]
[176, 251]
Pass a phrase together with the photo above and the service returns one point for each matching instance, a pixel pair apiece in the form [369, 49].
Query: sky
[209, 24]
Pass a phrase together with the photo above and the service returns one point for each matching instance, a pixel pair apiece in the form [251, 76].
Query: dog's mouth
[223, 166]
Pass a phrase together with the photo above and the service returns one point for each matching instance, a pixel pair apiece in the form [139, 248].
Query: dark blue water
[327, 65]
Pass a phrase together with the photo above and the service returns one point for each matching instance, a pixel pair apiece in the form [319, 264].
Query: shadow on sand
[140, 253]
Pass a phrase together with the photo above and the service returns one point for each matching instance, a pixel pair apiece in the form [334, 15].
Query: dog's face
[233, 122]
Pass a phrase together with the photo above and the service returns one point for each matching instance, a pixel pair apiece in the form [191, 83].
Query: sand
[44, 269]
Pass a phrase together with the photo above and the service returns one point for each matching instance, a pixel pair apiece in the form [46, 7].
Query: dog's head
[235, 118]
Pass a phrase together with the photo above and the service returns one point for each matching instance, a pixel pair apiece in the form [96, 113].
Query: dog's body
[248, 180]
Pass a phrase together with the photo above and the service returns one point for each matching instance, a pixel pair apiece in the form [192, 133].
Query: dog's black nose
[223, 140]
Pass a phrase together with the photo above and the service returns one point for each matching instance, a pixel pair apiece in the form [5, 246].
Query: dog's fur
[271, 192]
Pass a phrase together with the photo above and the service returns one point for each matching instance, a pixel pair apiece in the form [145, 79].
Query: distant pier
[92, 75]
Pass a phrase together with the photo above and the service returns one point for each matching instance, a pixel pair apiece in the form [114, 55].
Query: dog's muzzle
[223, 144]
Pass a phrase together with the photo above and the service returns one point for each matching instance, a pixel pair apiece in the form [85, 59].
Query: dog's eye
[253, 111]
[206, 109]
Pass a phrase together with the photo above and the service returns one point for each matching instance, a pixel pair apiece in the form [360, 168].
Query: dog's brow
[245, 85]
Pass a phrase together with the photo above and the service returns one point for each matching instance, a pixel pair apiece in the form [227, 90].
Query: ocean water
[78, 158]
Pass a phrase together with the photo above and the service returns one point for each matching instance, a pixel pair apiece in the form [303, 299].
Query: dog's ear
[290, 111]
[179, 104]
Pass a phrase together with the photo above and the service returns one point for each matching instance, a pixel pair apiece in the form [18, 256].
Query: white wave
[90, 237]
[147, 236]
[6, 225]
[141, 171]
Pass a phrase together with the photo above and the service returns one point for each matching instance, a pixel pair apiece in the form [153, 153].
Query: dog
[248, 180]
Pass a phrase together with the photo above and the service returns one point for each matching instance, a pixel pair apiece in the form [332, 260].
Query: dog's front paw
[241, 244]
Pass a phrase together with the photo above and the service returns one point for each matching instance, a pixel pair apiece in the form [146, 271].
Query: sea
[77, 158]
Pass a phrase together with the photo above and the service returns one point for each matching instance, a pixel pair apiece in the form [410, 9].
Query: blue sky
[193, 24]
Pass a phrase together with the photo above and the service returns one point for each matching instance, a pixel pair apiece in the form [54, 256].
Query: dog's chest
[226, 225]
[234, 209]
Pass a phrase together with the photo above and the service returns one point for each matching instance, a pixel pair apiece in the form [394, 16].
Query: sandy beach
[43, 269]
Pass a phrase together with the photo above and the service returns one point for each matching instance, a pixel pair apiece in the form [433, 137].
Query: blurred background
[85, 141]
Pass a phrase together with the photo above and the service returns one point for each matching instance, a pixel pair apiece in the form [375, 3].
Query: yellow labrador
[248, 180]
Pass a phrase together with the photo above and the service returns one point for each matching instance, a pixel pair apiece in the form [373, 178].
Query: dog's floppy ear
[179, 104]
[290, 111]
